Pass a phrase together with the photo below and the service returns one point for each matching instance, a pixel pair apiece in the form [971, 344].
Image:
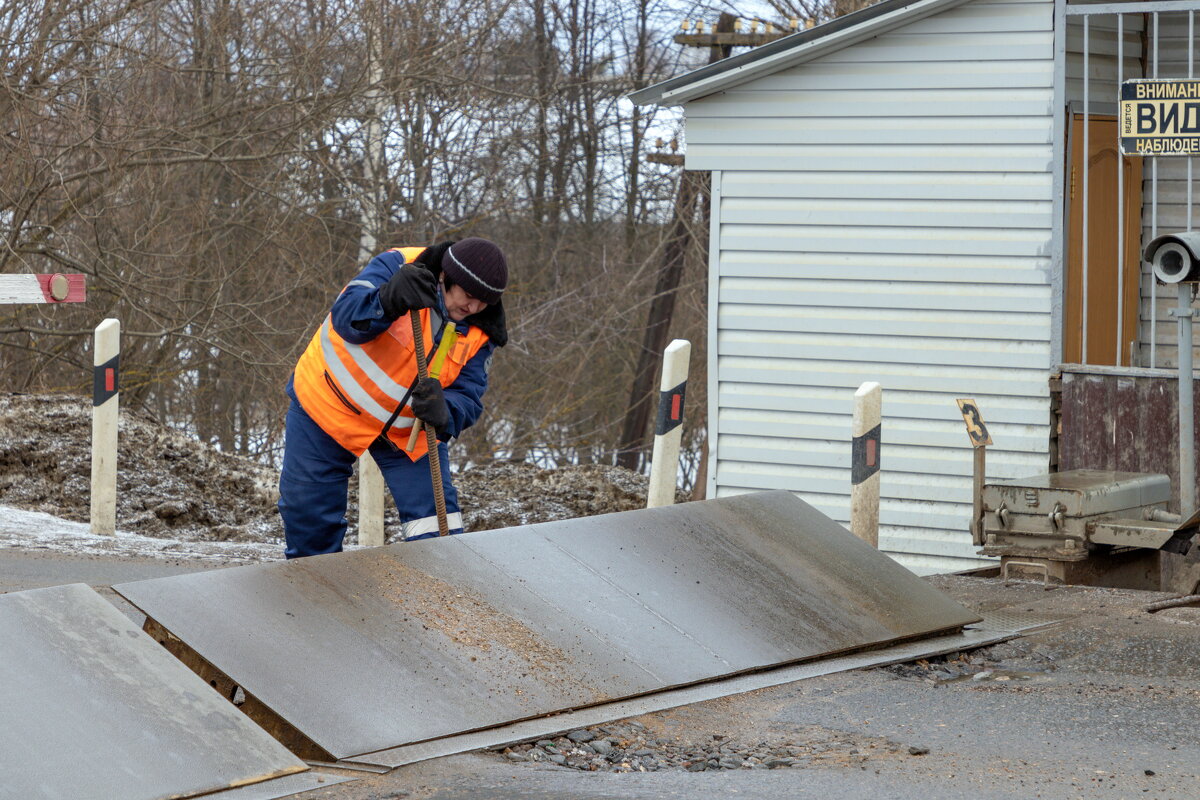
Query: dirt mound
[505, 495]
[170, 485]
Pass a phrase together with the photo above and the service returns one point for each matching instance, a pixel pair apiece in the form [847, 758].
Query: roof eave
[790, 51]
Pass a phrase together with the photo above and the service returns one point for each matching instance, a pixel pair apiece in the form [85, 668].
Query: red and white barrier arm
[58, 287]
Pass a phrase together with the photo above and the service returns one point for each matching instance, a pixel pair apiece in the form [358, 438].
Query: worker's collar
[439, 316]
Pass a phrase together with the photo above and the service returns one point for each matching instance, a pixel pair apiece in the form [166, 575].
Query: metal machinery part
[1081, 515]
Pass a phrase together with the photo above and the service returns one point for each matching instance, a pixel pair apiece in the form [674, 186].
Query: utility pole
[635, 426]
[728, 33]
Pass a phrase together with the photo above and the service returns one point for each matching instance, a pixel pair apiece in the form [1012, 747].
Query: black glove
[412, 287]
[429, 404]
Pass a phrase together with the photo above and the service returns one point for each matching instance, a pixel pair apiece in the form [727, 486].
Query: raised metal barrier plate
[91, 707]
[373, 649]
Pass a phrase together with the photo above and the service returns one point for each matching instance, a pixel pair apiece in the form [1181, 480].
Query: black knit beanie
[478, 267]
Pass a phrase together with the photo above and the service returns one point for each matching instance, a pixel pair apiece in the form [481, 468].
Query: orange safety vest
[351, 390]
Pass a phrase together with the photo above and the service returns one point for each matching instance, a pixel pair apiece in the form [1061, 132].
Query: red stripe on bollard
[670, 409]
[106, 380]
[864, 455]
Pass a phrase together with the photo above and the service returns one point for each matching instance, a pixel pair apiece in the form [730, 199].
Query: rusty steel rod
[1174, 602]
[435, 463]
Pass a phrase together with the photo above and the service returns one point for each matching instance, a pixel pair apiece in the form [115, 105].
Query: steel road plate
[376, 648]
[559, 724]
[94, 708]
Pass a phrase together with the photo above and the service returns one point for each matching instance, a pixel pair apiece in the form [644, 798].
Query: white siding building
[889, 197]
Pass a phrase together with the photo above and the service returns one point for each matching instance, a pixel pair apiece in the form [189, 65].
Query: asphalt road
[1106, 705]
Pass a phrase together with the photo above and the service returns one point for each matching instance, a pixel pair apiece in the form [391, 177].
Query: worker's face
[459, 304]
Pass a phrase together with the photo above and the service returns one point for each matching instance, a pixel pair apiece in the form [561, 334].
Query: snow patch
[36, 530]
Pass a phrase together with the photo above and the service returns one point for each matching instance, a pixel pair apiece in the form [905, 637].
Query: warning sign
[1160, 117]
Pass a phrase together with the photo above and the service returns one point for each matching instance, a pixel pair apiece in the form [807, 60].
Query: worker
[351, 380]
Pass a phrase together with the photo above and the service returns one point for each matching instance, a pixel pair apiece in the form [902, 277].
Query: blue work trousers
[315, 479]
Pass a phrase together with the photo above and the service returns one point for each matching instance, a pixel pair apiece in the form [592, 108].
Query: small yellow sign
[975, 427]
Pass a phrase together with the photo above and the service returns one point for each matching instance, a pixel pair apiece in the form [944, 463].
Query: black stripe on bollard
[670, 410]
[104, 381]
[864, 458]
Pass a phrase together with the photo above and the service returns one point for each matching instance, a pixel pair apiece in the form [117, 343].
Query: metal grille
[1003, 619]
[1167, 183]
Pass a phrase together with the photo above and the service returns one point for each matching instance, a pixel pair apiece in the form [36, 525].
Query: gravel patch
[628, 746]
[1008, 661]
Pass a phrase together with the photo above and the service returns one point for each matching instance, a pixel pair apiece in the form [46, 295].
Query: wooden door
[1105, 269]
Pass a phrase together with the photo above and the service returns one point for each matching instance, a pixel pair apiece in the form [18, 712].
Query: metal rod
[1187, 427]
[978, 478]
[1083, 297]
[1187, 437]
[1060, 167]
[1187, 440]
[449, 336]
[1154, 225]
[1101, 9]
[435, 461]
[1121, 207]
[1175, 602]
[1192, 23]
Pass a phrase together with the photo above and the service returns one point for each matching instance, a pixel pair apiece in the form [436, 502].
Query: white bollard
[105, 388]
[370, 502]
[864, 463]
[668, 427]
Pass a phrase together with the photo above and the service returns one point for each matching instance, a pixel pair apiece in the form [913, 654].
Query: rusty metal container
[1055, 515]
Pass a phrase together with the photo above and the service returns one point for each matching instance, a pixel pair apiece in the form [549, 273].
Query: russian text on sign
[1160, 117]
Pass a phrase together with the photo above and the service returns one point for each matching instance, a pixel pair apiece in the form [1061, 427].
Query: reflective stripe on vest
[360, 397]
[351, 390]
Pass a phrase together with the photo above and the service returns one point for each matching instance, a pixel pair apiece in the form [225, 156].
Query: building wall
[884, 213]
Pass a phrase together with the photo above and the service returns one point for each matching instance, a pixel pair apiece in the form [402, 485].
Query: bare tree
[207, 163]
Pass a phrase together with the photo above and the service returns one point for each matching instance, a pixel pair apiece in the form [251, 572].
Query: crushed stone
[1000, 663]
[628, 746]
